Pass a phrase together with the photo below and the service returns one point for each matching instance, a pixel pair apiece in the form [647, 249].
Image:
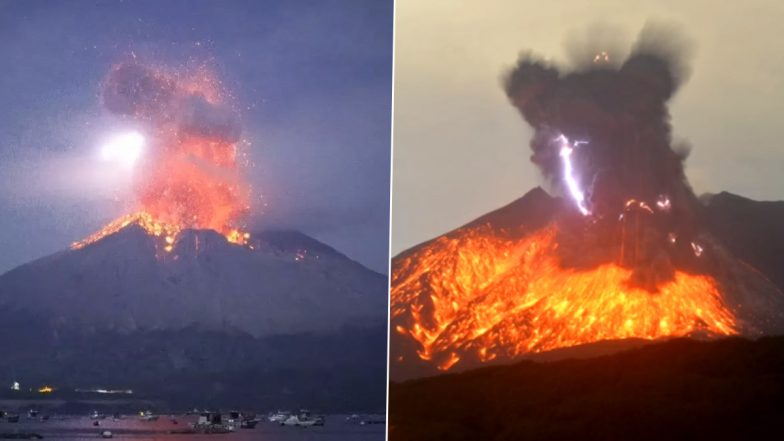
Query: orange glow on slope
[191, 177]
[475, 295]
[167, 232]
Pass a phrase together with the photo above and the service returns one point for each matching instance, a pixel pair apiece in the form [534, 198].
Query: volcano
[288, 283]
[131, 310]
[624, 251]
[176, 299]
[502, 287]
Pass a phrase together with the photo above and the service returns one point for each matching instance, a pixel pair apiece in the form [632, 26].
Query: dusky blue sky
[313, 80]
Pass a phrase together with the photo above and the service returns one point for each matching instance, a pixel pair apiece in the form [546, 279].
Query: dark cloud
[618, 109]
[625, 161]
[133, 89]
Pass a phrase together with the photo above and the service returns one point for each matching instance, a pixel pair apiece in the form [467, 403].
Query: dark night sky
[313, 80]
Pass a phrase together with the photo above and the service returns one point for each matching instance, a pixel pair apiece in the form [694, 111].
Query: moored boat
[148, 416]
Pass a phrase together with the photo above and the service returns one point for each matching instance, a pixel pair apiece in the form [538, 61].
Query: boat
[148, 416]
[32, 413]
[279, 416]
[303, 419]
[234, 419]
[295, 420]
[12, 418]
[211, 422]
[248, 424]
[97, 416]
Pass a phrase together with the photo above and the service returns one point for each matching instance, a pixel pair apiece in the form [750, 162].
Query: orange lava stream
[476, 295]
[165, 231]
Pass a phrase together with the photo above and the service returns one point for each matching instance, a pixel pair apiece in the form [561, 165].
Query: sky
[312, 78]
[461, 150]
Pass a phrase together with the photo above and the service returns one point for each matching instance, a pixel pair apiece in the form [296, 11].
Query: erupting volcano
[625, 250]
[173, 296]
[189, 176]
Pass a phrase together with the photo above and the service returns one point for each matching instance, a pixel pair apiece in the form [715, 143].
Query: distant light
[124, 149]
[15, 385]
[45, 390]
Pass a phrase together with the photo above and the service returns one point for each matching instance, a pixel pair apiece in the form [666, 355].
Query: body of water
[131, 427]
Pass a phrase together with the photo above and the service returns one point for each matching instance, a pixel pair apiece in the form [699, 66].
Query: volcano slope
[682, 389]
[522, 280]
[283, 320]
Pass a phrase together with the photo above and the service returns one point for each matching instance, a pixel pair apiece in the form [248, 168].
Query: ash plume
[189, 176]
[145, 93]
[613, 116]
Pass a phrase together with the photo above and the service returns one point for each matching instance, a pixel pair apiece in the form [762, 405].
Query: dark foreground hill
[730, 389]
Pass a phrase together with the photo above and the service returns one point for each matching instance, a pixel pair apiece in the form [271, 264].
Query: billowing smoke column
[602, 136]
[189, 177]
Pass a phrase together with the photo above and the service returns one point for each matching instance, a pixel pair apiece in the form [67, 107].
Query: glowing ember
[189, 176]
[300, 255]
[566, 150]
[697, 249]
[601, 57]
[663, 203]
[477, 296]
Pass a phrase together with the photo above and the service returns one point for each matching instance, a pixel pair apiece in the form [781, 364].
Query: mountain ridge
[119, 278]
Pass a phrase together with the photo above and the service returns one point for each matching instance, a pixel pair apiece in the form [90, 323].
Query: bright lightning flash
[577, 194]
[124, 149]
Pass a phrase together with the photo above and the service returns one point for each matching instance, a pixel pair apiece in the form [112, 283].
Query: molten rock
[497, 289]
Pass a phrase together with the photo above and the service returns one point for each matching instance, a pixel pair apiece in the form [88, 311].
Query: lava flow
[477, 295]
[189, 176]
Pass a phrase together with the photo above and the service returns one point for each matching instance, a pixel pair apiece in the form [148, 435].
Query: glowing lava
[476, 295]
[166, 232]
[189, 176]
